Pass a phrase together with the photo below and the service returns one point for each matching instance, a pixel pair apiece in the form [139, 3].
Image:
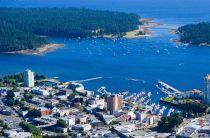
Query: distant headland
[22, 29]
[195, 34]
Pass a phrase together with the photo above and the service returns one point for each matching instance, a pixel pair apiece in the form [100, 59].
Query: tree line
[195, 33]
[22, 28]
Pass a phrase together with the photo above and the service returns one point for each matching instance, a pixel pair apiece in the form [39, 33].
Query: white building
[70, 120]
[99, 103]
[82, 127]
[151, 120]
[141, 116]
[206, 93]
[40, 91]
[28, 76]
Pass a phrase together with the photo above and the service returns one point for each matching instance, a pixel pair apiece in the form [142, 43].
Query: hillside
[21, 28]
[195, 33]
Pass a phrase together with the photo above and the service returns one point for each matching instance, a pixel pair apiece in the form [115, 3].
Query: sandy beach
[147, 24]
[39, 51]
[145, 29]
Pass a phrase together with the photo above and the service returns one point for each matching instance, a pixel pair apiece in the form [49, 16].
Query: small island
[27, 29]
[196, 34]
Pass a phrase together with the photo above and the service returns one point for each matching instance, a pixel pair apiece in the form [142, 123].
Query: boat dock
[170, 90]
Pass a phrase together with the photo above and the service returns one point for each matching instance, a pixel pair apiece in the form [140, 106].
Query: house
[64, 112]
[75, 86]
[55, 110]
[40, 91]
[70, 120]
[141, 115]
[53, 102]
[82, 127]
[65, 91]
[43, 111]
[82, 119]
[99, 103]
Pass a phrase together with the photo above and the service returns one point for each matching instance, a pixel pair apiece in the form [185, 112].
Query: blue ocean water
[132, 64]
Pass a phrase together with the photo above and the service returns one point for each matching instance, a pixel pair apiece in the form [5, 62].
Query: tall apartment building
[28, 76]
[206, 93]
[114, 103]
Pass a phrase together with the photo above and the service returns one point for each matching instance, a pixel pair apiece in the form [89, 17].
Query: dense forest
[195, 33]
[22, 28]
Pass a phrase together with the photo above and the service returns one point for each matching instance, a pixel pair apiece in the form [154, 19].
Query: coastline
[147, 24]
[178, 42]
[39, 51]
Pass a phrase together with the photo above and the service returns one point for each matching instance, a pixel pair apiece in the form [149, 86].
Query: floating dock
[171, 90]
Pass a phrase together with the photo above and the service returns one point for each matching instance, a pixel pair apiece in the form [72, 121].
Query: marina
[167, 89]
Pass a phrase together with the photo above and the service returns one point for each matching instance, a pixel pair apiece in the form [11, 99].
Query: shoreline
[148, 23]
[177, 41]
[145, 28]
[39, 51]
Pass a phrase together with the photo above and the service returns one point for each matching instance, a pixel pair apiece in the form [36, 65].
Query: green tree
[61, 123]
[20, 28]
[168, 124]
[31, 128]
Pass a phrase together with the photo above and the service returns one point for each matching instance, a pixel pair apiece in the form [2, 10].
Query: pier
[169, 90]
[85, 80]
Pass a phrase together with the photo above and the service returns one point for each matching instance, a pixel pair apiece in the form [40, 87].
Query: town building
[39, 91]
[82, 127]
[114, 103]
[43, 111]
[70, 120]
[28, 76]
[206, 94]
[141, 115]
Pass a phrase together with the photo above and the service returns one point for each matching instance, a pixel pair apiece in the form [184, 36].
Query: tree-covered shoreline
[197, 34]
[21, 28]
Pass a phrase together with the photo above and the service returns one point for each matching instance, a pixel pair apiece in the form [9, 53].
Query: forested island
[198, 34]
[27, 28]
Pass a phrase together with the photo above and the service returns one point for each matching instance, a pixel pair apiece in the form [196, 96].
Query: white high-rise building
[28, 76]
[206, 93]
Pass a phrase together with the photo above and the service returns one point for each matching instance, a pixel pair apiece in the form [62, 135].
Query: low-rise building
[82, 119]
[198, 127]
[40, 91]
[108, 118]
[82, 127]
[70, 120]
[141, 115]
[43, 111]
[189, 130]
